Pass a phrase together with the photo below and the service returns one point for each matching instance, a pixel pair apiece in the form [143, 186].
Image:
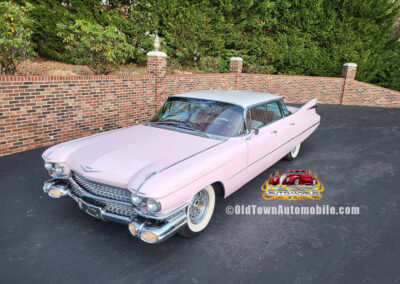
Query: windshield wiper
[179, 125]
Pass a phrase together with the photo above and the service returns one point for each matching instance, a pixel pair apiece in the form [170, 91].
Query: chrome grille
[123, 210]
[102, 190]
[111, 207]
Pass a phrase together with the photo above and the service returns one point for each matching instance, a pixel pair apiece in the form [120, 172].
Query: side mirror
[256, 130]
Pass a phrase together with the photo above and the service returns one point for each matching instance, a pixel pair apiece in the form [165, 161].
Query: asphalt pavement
[356, 155]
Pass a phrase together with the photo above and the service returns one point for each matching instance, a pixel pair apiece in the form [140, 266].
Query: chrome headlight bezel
[153, 205]
[59, 169]
[48, 165]
[136, 199]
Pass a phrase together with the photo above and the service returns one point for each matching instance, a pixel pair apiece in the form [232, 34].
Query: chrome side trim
[167, 167]
[273, 151]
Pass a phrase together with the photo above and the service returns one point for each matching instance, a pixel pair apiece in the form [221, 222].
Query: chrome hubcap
[198, 207]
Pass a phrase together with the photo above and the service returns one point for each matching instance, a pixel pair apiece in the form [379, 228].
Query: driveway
[356, 154]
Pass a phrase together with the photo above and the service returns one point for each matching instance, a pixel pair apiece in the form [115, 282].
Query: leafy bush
[173, 64]
[209, 64]
[100, 48]
[15, 36]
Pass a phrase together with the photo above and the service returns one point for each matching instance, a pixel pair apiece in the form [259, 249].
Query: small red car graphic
[294, 177]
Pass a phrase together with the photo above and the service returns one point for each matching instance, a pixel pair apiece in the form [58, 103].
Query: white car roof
[241, 98]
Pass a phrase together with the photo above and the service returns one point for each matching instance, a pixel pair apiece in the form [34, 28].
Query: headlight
[136, 200]
[153, 205]
[58, 169]
[287, 179]
[48, 166]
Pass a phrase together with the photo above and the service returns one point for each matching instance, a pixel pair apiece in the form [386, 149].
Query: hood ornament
[88, 169]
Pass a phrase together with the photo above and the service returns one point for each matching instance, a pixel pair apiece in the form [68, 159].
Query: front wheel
[199, 212]
[293, 153]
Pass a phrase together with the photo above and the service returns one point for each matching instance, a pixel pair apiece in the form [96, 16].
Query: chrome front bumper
[147, 229]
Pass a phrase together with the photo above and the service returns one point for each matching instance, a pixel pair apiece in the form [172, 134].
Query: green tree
[15, 35]
[101, 48]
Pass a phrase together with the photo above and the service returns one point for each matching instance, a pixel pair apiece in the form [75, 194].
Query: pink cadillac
[161, 177]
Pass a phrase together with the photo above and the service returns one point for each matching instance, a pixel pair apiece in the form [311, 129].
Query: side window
[285, 111]
[273, 112]
[257, 116]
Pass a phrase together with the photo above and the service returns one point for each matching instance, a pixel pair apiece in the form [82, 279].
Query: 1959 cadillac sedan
[162, 177]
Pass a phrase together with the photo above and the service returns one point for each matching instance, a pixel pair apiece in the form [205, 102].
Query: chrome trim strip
[167, 167]
[273, 151]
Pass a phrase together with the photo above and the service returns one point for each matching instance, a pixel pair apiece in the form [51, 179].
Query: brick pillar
[349, 74]
[236, 64]
[157, 66]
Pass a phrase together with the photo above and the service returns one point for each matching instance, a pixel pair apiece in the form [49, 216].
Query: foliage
[101, 48]
[173, 64]
[15, 35]
[209, 64]
[298, 37]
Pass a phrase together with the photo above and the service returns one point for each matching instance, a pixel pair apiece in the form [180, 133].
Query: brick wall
[36, 111]
[176, 84]
[364, 94]
[295, 89]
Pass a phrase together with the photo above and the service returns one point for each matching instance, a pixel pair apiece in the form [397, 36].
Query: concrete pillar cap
[156, 53]
[236, 59]
[350, 64]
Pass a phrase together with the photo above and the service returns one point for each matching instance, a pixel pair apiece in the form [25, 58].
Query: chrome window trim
[265, 103]
[219, 137]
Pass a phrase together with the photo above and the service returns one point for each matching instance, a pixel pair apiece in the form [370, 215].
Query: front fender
[178, 184]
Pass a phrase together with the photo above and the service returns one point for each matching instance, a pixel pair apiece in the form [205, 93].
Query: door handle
[292, 124]
[274, 132]
[248, 138]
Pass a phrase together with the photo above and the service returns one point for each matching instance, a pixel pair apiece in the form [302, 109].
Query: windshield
[201, 116]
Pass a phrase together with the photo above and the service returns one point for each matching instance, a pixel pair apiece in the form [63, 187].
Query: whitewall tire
[293, 153]
[199, 212]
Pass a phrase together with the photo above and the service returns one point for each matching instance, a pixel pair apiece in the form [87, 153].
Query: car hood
[126, 157]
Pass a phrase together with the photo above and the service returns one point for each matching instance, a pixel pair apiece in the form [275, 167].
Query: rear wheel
[199, 212]
[293, 153]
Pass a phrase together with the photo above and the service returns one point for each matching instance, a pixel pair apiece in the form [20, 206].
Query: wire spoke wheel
[199, 212]
[199, 207]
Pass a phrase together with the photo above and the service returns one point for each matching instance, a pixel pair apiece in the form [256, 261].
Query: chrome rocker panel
[60, 188]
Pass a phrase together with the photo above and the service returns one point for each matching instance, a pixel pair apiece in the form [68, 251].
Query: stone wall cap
[236, 59]
[350, 64]
[156, 53]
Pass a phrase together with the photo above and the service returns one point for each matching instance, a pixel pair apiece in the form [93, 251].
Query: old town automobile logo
[292, 185]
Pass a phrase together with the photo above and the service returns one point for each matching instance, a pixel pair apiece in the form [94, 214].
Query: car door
[293, 127]
[265, 138]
